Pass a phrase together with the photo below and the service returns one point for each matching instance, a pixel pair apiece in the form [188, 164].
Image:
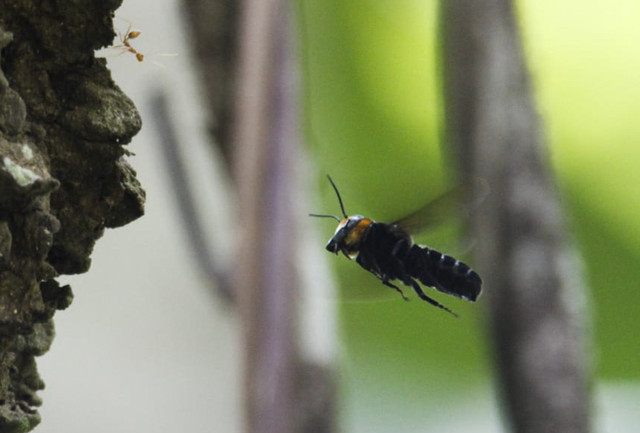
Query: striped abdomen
[442, 272]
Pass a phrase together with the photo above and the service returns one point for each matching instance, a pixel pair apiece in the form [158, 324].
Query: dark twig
[177, 175]
[213, 28]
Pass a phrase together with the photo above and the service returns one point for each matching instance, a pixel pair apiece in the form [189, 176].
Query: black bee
[388, 252]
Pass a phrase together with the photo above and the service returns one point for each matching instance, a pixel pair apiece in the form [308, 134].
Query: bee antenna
[338, 194]
[324, 216]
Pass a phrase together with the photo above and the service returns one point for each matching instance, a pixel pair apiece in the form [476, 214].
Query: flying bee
[389, 253]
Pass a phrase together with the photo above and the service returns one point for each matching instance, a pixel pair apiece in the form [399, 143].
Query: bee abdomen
[443, 272]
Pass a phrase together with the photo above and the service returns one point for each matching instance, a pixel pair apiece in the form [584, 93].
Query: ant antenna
[338, 194]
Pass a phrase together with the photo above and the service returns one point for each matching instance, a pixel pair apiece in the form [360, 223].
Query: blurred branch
[287, 389]
[264, 276]
[177, 175]
[535, 295]
[266, 139]
[213, 29]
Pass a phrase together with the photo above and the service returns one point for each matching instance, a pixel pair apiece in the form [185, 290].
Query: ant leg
[396, 288]
[432, 301]
[125, 38]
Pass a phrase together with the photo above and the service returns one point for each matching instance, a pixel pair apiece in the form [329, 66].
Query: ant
[130, 34]
[125, 44]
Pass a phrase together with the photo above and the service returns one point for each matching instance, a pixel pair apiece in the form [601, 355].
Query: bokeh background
[169, 358]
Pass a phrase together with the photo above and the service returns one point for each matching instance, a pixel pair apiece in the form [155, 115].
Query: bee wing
[455, 203]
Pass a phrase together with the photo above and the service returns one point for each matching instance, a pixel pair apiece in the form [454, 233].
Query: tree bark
[533, 285]
[63, 176]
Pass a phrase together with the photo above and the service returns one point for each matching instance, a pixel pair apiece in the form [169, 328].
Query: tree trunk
[63, 176]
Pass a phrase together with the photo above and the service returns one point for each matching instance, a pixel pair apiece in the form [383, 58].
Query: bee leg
[432, 301]
[396, 288]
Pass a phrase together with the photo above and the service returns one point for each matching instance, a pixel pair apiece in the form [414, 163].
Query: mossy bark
[63, 176]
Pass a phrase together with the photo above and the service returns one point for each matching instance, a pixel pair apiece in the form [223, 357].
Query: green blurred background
[374, 117]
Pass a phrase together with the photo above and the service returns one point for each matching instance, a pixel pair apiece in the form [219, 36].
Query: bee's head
[343, 238]
[349, 232]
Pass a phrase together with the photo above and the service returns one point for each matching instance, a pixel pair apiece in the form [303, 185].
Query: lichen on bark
[63, 175]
